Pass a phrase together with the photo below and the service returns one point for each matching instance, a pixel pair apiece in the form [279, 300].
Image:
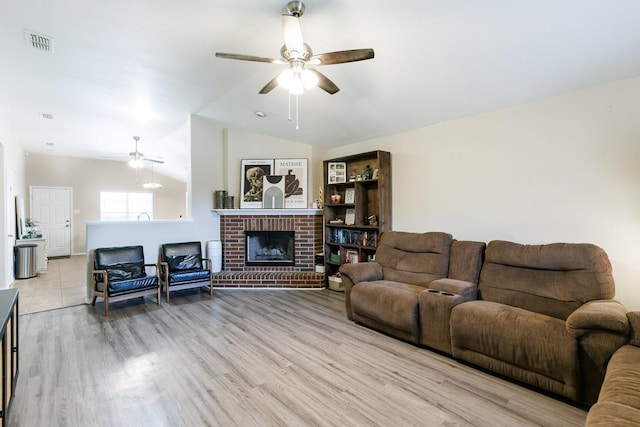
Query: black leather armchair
[119, 273]
[183, 267]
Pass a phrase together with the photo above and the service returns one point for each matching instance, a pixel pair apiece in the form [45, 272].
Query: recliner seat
[544, 316]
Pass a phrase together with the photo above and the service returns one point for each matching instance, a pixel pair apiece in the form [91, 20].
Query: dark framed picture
[295, 173]
[337, 172]
[251, 182]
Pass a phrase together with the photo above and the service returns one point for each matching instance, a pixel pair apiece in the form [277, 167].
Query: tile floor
[62, 285]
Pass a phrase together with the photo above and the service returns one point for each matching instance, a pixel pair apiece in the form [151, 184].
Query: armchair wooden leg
[106, 306]
[93, 301]
[159, 295]
[167, 293]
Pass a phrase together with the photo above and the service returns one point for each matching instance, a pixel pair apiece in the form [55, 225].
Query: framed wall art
[295, 173]
[337, 172]
[251, 173]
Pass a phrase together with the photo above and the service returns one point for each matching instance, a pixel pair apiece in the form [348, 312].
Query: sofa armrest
[100, 276]
[362, 271]
[164, 270]
[156, 267]
[601, 327]
[634, 323]
[469, 290]
[357, 273]
[601, 315]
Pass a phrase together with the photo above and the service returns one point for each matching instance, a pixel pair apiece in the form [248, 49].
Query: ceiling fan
[297, 54]
[137, 158]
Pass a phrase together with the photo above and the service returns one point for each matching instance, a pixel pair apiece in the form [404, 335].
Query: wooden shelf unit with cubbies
[353, 225]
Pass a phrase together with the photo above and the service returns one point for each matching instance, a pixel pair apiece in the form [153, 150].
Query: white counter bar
[141, 222]
[227, 212]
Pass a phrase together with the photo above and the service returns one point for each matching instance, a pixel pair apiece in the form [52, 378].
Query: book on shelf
[351, 257]
[354, 237]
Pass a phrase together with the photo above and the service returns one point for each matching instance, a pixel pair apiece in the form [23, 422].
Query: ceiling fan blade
[159, 161]
[292, 33]
[324, 83]
[342, 56]
[269, 86]
[240, 57]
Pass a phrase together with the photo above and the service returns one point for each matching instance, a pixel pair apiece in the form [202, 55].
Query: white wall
[11, 185]
[565, 168]
[206, 172]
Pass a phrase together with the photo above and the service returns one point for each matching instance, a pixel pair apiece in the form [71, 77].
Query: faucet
[144, 213]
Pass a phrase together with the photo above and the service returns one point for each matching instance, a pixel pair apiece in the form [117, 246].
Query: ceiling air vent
[39, 41]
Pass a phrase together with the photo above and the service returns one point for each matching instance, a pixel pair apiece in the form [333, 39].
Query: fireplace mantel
[267, 212]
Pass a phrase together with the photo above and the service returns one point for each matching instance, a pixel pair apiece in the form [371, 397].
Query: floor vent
[39, 41]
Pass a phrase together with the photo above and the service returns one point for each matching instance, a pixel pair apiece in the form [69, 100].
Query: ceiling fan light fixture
[309, 79]
[285, 79]
[152, 185]
[296, 80]
[297, 86]
[136, 163]
[297, 54]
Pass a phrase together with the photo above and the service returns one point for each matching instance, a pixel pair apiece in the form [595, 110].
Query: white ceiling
[434, 61]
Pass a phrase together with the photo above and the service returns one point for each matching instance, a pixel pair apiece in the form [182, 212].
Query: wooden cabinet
[357, 207]
[9, 347]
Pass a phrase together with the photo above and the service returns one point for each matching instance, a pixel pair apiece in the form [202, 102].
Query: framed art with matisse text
[295, 174]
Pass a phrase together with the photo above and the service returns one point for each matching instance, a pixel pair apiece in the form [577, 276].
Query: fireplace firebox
[269, 248]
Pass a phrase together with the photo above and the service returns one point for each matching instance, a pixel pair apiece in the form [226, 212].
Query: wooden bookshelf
[354, 222]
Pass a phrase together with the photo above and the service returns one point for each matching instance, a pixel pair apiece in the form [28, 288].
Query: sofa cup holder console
[436, 291]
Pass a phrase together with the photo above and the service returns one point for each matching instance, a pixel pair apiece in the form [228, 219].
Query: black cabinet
[9, 339]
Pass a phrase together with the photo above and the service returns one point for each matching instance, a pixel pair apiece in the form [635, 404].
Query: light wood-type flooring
[62, 285]
[251, 358]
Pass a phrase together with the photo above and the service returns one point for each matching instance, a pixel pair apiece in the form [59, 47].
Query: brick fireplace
[306, 224]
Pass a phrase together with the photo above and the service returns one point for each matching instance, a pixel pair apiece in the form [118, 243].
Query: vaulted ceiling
[142, 67]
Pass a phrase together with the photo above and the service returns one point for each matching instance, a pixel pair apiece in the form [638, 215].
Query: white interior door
[51, 207]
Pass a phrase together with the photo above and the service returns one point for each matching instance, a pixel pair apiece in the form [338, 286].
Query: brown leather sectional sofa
[540, 314]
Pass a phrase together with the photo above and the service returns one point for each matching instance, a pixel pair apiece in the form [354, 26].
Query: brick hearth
[308, 242]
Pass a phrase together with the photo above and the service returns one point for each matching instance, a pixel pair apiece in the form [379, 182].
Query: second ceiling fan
[297, 54]
[137, 158]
